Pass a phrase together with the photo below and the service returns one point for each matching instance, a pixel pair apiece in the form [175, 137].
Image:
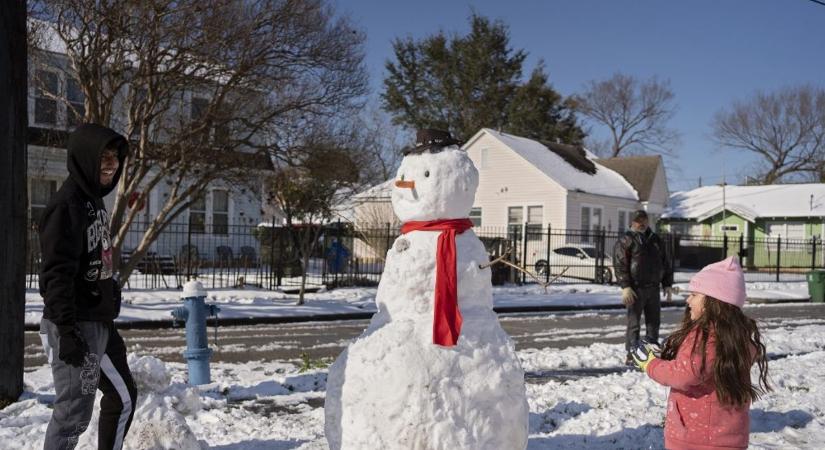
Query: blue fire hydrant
[194, 312]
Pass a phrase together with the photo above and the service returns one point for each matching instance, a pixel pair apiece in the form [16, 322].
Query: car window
[591, 252]
[565, 251]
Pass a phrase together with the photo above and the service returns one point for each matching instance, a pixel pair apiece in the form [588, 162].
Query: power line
[818, 2]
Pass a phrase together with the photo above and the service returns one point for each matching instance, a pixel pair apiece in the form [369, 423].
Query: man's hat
[639, 216]
[430, 139]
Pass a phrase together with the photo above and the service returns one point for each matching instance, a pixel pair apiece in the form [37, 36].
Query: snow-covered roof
[381, 191]
[750, 202]
[604, 181]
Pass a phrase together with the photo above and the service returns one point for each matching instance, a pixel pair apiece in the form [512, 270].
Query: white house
[565, 187]
[522, 181]
[56, 104]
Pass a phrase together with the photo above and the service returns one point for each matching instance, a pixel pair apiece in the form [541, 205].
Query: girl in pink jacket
[707, 364]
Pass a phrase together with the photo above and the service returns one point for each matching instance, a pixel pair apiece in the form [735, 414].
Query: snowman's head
[432, 186]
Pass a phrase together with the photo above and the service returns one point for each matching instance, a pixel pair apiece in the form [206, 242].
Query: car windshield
[591, 252]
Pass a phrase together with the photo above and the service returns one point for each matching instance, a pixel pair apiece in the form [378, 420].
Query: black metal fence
[349, 255]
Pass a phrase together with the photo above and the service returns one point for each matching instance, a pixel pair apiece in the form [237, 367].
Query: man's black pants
[649, 302]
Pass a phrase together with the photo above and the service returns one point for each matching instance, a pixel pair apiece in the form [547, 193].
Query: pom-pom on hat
[721, 280]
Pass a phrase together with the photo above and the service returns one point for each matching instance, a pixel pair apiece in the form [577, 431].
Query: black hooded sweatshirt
[76, 276]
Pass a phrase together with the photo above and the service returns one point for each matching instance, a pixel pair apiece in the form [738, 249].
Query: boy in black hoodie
[81, 297]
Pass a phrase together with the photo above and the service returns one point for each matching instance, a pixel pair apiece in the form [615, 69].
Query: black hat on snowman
[432, 140]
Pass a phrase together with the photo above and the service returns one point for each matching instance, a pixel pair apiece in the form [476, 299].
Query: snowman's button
[401, 245]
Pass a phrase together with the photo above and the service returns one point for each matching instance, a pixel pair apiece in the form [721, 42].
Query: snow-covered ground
[276, 405]
[155, 305]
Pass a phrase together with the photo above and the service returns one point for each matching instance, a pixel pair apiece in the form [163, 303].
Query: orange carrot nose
[405, 184]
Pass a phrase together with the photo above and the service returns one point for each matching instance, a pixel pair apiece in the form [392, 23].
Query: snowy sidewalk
[141, 307]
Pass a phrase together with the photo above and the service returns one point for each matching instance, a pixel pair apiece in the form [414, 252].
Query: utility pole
[13, 195]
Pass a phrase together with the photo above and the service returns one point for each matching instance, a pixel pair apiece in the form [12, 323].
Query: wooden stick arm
[501, 259]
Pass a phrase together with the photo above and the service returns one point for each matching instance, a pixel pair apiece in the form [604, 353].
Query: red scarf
[446, 316]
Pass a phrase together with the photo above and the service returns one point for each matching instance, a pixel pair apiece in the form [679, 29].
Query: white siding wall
[507, 180]
[659, 194]
[610, 209]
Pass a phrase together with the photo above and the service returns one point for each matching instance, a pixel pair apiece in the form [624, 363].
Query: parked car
[580, 261]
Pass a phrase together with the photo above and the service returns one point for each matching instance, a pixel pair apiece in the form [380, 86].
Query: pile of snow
[160, 421]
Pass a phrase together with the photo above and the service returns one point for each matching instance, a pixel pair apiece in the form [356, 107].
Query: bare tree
[785, 128]
[204, 91]
[635, 112]
[308, 192]
[13, 118]
[382, 142]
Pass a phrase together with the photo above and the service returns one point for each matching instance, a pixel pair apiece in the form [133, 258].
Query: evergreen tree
[464, 83]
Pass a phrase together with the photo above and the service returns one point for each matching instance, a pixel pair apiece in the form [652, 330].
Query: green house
[765, 225]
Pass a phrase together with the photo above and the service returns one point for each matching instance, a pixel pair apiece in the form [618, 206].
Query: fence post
[778, 255]
[279, 272]
[597, 245]
[547, 273]
[813, 253]
[742, 249]
[725, 246]
[272, 255]
[189, 250]
[524, 253]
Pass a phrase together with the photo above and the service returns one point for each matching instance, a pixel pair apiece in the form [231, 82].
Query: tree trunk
[13, 123]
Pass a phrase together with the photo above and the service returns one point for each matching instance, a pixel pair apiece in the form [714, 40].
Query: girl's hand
[643, 354]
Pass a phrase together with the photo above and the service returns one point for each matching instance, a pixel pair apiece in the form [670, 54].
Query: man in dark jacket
[82, 298]
[642, 266]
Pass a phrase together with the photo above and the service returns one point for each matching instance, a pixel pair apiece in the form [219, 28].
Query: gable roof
[639, 171]
[750, 202]
[567, 165]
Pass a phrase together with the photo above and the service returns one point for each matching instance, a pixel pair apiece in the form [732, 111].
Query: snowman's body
[393, 388]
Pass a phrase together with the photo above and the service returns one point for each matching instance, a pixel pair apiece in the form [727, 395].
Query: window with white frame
[475, 216]
[220, 212]
[45, 97]
[729, 228]
[75, 105]
[535, 215]
[585, 218]
[591, 220]
[624, 219]
[198, 108]
[197, 215]
[40, 192]
[515, 217]
[790, 232]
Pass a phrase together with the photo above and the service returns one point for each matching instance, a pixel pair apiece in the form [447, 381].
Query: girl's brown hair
[738, 345]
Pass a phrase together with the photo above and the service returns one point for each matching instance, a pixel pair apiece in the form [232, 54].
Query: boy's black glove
[72, 347]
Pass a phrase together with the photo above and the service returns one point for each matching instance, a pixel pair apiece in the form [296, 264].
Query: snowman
[434, 369]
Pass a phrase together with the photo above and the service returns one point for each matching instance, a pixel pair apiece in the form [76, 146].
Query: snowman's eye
[426, 173]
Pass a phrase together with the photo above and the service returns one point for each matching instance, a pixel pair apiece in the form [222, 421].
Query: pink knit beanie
[721, 280]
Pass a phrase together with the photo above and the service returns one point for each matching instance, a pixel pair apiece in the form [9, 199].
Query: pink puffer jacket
[695, 418]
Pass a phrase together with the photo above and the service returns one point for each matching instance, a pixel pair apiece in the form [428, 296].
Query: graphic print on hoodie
[76, 275]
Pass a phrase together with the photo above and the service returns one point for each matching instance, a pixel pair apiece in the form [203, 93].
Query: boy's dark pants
[105, 368]
[648, 301]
